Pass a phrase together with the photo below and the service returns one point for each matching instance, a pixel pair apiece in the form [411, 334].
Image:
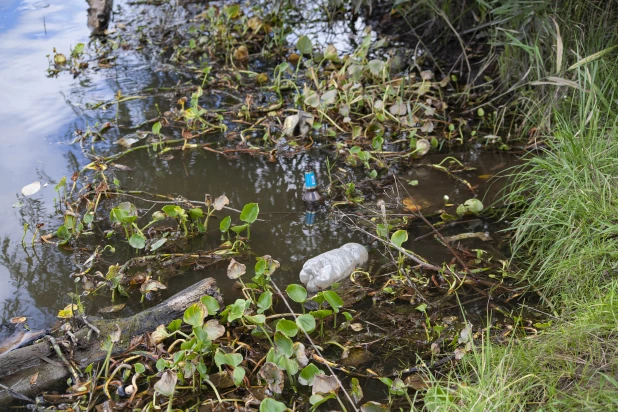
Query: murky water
[39, 117]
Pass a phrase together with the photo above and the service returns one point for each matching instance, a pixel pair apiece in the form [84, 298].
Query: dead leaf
[235, 269]
[33, 379]
[241, 54]
[214, 329]
[167, 384]
[113, 308]
[416, 382]
[426, 75]
[18, 320]
[324, 384]
[221, 202]
[151, 285]
[159, 335]
[127, 141]
[115, 335]
[273, 375]
[186, 134]
[411, 205]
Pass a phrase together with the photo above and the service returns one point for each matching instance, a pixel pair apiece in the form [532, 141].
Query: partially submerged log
[18, 367]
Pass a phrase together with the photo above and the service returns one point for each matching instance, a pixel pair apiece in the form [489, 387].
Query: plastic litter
[321, 271]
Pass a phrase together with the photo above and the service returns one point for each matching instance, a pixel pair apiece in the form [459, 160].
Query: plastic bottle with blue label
[311, 195]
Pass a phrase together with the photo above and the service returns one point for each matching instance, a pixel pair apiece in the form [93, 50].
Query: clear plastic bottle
[321, 271]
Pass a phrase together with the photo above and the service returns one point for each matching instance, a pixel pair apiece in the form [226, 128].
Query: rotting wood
[18, 366]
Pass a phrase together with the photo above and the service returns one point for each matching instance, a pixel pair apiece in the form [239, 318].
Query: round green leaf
[304, 45]
[194, 315]
[297, 293]
[271, 405]
[250, 212]
[306, 322]
[138, 241]
[333, 300]
[283, 344]
[265, 301]
[307, 374]
[399, 237]
[211, 304]
[287, 327]
[224, 226]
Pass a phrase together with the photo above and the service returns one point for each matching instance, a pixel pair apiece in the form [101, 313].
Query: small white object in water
[31, 189]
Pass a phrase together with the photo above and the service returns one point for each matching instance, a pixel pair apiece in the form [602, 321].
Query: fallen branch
[20, 366]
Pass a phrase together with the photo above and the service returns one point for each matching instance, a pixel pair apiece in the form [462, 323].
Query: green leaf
[232, 359]
[156, 245]
[239, 229]
[224, 226]
[297, 293]
[171, 210]
[211, 304]
[265, 301]
[333, 300]
[422, 308]
[156, 128]
[287, 327]
[470, 206]
[376, 67]
[138, 241]
[88, 218]
[174, 325]
[139, 368]
[63, 233]
[283, 345]
[312, 99]
[237, 310]
[194, 315]
[256, 319]
[382, 230]
[250, 213]
[196, 213]
[238, 375]
[306, 322]
[61, 184]
[271, 405]
[201, 334]
[321, 314]
[399, 237]
[304, 45]
[307, 374]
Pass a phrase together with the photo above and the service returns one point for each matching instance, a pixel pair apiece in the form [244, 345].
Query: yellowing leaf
[67, 312]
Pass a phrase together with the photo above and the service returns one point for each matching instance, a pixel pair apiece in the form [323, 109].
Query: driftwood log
[17, 367]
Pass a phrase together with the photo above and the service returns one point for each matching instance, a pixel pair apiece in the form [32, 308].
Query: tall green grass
[571, 366]
[558, 66]
[566, 198]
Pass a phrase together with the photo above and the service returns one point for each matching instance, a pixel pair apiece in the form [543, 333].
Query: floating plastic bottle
[321, 271]
[311, 194]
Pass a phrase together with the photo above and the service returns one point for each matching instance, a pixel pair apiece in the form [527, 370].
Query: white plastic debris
[321, 271]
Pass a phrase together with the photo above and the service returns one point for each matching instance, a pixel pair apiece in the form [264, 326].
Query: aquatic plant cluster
[376, 109]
